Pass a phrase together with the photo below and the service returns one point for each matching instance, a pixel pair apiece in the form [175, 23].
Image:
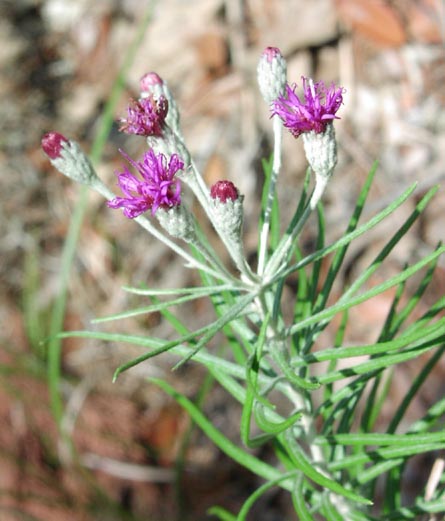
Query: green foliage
[269, 355]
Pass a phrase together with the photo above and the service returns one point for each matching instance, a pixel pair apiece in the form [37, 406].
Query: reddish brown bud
[52, 144]
[224, 190]
[271, 53]
[149, 80]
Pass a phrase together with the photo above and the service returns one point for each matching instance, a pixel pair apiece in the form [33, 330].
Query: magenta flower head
[145, 117]
[152, 85]
[318, 108]
[158, 187]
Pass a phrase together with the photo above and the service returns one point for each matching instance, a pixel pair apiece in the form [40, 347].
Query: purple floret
[318, 108]
[157, 188]
[145, 117]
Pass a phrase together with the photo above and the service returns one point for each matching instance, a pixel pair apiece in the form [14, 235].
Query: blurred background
[59, 60]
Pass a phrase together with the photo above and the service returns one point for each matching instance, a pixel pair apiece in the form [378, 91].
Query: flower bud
[150, 82]
[227, 209]
[224, 190]
[153, 85]
[68, 158]
[52, 144]
[271, 74]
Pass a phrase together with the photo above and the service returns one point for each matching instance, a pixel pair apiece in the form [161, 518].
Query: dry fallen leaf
[376, 21]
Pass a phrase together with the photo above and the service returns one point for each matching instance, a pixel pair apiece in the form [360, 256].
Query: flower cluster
[318, 108]
[145, 117]
[158, 187]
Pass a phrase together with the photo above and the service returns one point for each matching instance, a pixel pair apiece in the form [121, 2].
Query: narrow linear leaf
[329, 511]
[146, 310]
[415, 386]
[299, 501]
[259, 492]
[235, 453]
[377, 363]
[346, 239]
[251, 390]
[231, 314]
[221, 513]
[374, 349]
[384, 454]
[272, 427]
[393, 281]
[204, 290]
[381, 439]
[341, 253]
[301, 463]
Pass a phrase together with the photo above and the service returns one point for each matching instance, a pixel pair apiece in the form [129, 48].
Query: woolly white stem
[278, 137]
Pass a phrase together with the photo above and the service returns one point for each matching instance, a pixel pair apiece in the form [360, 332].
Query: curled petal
[156, 187]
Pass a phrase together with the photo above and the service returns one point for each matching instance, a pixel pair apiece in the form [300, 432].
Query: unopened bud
[151, 84]
[271, 74]
[224, 190]
[227, 208]
[68, 158]
[52, 144]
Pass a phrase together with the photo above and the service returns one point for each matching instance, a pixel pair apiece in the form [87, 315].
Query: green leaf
[267, 170]
[155, 307]
[415, 386]
[272, 427]
[235, 453]
[212, 329]
[433, 333]
[331, 311]
[259, 492]
[299, 501]
[349, 237]
[316, 269]
[221, 513]
[340, 253]
[201, 291]
[203, 357]
[301, 463]
[280, 357]
[329, 511]
[251, 390]
[387, 453]
[389, 246]
[381, 439]
[380, 363]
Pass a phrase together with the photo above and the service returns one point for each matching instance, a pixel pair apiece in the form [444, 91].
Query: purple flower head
[157, 188]
[318, 108]
[145, 117]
